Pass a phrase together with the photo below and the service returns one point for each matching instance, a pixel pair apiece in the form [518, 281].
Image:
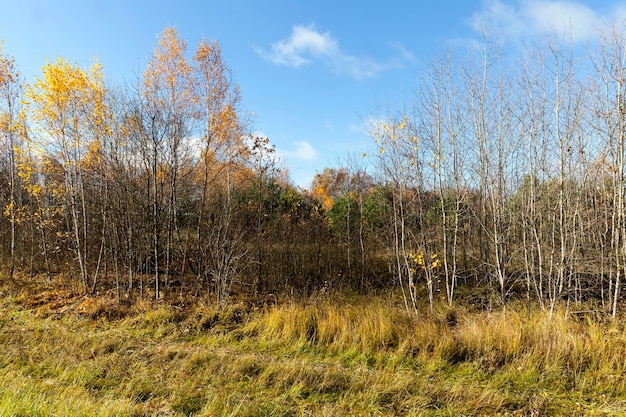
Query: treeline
[511, 169]
[504, 174]
[156, 187]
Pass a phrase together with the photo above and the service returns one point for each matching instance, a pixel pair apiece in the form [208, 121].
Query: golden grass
[332, 356]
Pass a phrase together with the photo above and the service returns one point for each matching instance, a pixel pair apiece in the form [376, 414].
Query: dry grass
[63, 354]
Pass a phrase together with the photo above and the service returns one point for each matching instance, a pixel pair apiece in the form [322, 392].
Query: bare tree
[12, 126]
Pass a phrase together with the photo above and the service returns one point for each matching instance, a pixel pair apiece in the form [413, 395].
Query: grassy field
[62, 354]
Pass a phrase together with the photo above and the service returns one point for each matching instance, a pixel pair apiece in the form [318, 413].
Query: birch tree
[166, 106]
[67, 105]
[12, 124]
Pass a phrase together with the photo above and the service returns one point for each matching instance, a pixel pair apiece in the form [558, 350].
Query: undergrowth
[66, 354]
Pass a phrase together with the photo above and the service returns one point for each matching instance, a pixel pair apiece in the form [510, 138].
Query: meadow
[66, 354]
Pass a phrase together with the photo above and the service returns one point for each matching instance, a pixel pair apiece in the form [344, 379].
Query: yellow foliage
[420, 260]
[389, 134]
[215, 103]
[167, 75]
[9, 209]
[68, 105]
[319, 193]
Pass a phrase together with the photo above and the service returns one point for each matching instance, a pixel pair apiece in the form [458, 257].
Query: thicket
[505, 173]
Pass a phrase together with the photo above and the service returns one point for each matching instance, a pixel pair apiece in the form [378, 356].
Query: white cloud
[303, 152]
[304, 41]
[306, 44]
[535, 17]
[565, 16]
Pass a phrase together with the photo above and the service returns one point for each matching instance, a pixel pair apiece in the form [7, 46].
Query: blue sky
[311, 72]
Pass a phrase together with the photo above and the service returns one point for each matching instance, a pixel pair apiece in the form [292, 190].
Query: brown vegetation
[67, 353]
